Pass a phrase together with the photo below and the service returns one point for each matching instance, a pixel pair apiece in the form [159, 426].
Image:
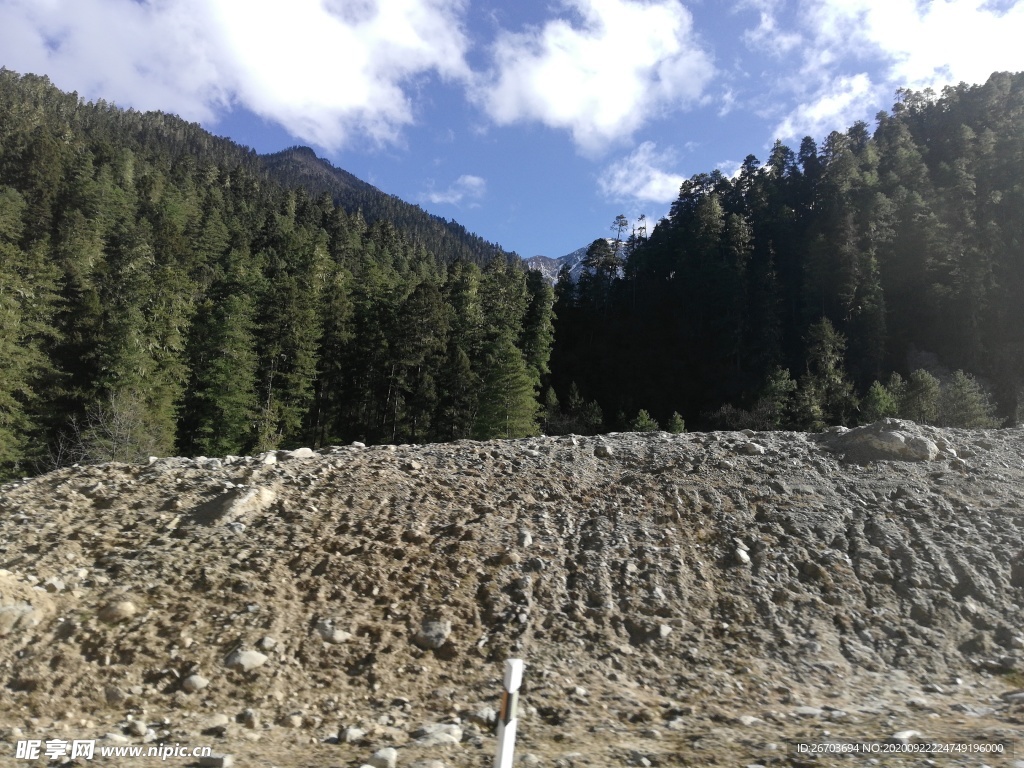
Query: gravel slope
[696, 599]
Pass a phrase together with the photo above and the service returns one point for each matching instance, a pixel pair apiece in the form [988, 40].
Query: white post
[508, 719]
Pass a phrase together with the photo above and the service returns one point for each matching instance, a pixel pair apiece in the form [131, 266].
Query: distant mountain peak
[550, 267]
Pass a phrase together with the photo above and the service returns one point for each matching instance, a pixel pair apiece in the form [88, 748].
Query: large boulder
[885, 440]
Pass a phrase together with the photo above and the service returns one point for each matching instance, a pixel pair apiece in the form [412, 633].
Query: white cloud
[602, 77]
[324, 69]
[768, 35]
[640, 176]
[730, 168]
[894, 44]
[325, 74]
[465, 187]
[146, 56]
[831, 108]
[929, 42]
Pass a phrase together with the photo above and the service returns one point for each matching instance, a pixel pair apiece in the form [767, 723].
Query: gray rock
[437, 740]
[217, 761]
[250, 718]
[332, 634]
[485, 716]
[603, 451]
[432, 634]
[194, 683]
[216, 721]
[427, 763]
[17, 616]
[529, 760]
[434, 729]
[885, 440]
[384, 758]
[245, 661]
[1008, 663]
[742, 557]
[136, 728]
[300, 453]
[114, 696]
[122, 610]
[904, 737]
[808, 712]
[266, 643]
[247, 501]
[351, 735]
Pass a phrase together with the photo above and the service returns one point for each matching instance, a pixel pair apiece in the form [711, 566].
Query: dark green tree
[920, 398]
[644, 422]
[27, 305]
[964, 403]
[825, 395]
[508, 400]
[878, 403]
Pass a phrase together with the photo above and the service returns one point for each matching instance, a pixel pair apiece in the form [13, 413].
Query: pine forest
[164, 291]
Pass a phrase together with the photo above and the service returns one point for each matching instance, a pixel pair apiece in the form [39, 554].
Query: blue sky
[531, 123]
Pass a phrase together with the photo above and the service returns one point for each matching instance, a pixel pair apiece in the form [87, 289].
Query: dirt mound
[700, 599]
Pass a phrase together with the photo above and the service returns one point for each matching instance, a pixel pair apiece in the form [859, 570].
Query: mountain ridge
[301, 166]
[550, 267]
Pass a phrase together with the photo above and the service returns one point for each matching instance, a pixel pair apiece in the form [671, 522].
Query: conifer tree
[551, 414]
[585, 416]
[147, 315]
[458, 396]
[336, 321]
[675, 425]
[644, 422]
[418, 343]
[508, 402]
[964, 403]
[825, 395]
[221, 406]
[920, 401]
[775, 402]
[26, 309]
[878, 403]
[538, 334]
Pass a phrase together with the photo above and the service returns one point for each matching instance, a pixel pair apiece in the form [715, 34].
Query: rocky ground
[679, 600]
